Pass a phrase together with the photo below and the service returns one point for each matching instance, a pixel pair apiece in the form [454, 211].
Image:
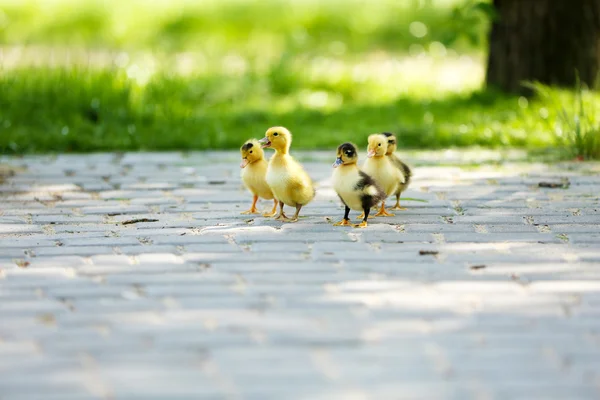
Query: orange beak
[371, 153]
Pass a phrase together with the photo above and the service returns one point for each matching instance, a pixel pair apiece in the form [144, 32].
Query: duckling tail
[407, 172]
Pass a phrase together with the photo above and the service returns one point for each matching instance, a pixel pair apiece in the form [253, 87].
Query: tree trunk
[550, 41]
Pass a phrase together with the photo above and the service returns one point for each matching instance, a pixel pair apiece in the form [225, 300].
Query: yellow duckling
[381, 169]
[254, 171]
[290, 184]
[404, 170]
[357, 190]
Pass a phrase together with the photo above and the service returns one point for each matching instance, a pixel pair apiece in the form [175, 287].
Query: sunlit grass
[133, 107]
[576, 119]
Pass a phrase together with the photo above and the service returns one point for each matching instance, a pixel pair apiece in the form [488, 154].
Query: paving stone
[585, 238]
[568, 219]
[565, 286]
[31, 307]
[518, 228]
[97, 241]
[73, 250]
[489, 289]
[502, 237]
[42, 277]
[189, 240]
[18, 228]
[90, 291]
[290, 247]
[292, 237]
[489, 219]
[14, 253]
[80, 228]
[574, 228]
[437, 228]
[113, 210]
[179, 278]
[149, 231]
[147, 249]
[508, 212]
[66, 219]
[36, 211]
[146, 268]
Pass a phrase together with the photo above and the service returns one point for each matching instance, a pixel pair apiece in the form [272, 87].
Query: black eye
[379, 144]
[250, 151]
[275, 134]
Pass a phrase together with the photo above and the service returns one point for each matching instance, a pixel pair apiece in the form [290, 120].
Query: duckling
[254, 171]
[356, 189]
[290, 184]
[403, 168]
[381, 168]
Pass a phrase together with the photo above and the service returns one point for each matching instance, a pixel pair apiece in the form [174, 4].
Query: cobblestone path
[134, 276]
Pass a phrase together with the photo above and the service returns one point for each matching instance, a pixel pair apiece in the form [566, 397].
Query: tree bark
[550, 41]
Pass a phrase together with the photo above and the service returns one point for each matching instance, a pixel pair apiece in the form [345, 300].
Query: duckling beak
[244, 163]
[265, 142]
[337, 162]
[371, 153]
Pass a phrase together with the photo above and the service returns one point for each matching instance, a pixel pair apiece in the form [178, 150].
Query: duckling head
[378, 145]
[391, 138]
[346, 155]
[277, 138]
[251, 152]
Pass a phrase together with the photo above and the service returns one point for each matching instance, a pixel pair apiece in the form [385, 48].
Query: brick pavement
[489, 290]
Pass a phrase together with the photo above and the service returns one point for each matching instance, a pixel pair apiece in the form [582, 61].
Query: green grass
[577, 120]
[88, 110]
[113, 75]
[83, 109]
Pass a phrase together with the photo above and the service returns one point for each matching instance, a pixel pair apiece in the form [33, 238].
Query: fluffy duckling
[381, 168]
[254, 171]
[405, 171]
[290, 184]
[356, 189]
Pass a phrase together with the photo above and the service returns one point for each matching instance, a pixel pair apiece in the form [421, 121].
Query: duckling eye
[250, 151]
[379, 145]
[275, 134]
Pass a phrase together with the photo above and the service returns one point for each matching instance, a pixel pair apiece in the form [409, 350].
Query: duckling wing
[300, 184]
[371, 192]
[405, 171]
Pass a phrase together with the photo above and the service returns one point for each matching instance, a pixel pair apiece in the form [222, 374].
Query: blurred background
[99, 75]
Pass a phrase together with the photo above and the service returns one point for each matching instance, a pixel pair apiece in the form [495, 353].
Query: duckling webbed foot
[346, 220]
[253, 209]
[397, 206]
[382, 212]
[282, 217]
[273, 211]
[295, 217]
[285, 218]
[365, 214]
[343, 222]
